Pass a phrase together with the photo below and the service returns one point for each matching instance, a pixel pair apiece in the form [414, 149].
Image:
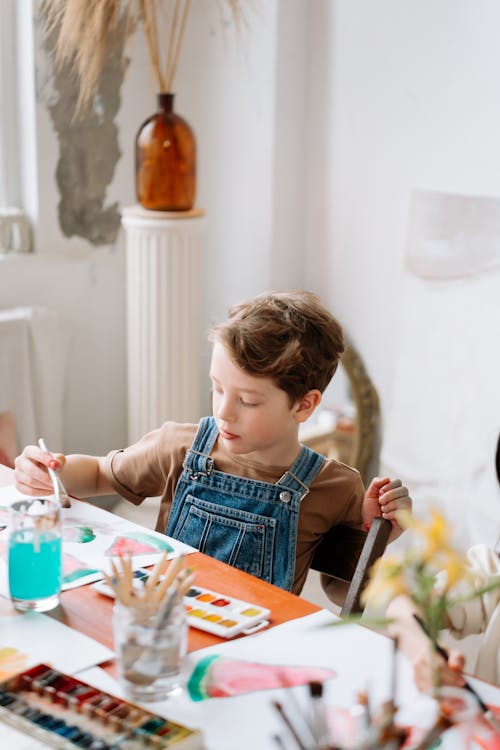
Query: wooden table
[85, 610]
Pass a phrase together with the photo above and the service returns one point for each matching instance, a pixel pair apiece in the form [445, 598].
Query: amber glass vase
[165, 160]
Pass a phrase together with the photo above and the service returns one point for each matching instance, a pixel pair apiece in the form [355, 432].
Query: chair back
[334, 557]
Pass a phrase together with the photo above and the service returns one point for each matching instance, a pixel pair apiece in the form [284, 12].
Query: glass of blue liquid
[34, 553]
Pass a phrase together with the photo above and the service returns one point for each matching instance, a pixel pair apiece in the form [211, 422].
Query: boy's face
[253, 415]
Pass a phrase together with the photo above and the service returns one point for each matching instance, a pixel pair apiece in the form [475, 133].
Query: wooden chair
[334, 557]
[8, 446]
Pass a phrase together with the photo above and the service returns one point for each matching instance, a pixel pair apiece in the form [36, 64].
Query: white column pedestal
[163, 253]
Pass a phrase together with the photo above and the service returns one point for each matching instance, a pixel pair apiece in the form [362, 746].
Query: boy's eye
[247, 403]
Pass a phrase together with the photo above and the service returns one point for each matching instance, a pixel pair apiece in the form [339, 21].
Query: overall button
[285, 497]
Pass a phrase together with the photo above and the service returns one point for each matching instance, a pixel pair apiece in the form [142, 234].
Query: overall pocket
[240, 538]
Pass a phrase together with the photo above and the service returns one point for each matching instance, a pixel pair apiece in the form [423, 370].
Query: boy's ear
[307, 404]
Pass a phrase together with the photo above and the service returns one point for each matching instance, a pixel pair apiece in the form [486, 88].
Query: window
[17, 113]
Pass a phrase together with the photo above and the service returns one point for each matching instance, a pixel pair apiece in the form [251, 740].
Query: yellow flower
[435, 535]
[430, 574]
[454, 567]
[387, 580]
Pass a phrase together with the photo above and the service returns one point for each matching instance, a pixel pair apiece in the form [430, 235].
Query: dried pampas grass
[87, 31]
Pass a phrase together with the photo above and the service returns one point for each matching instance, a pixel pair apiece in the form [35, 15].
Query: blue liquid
[34, 573]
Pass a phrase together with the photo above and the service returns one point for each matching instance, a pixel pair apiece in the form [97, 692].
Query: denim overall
[246, 523]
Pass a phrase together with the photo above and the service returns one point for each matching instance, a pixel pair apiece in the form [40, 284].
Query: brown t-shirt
[152, 467]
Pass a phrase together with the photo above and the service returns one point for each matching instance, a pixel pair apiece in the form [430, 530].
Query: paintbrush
[188, 582]
[296, 708]
[121, 582]
[319, 726]
[60, 492]
[173, 570]
[157, 571]
[286, 720]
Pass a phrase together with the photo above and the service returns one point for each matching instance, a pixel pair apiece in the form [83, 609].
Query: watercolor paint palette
[63, 712]
[223, 615]
[210, 610]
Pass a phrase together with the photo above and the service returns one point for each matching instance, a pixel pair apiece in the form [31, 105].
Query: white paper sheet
[30, 638]
[8, 494]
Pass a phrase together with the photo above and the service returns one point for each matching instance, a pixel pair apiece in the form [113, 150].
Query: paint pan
[223, 615]
[65, 713]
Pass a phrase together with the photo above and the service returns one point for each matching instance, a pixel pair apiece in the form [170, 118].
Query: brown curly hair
[288, 336]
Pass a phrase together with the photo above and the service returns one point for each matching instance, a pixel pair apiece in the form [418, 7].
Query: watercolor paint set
[210, 610]
[63, 712]
[223, 615]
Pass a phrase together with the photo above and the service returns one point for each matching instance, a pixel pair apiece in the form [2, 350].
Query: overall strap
[303, 471]
[198, 460]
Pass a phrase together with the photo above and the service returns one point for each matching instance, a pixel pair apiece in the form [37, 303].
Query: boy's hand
[383, 498]
[31, 470]
[430, 669]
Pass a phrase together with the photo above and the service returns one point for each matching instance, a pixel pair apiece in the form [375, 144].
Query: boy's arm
[82, 475]
[384, 497]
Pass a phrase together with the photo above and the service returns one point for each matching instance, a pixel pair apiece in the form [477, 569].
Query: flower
[432, 574]
[386, 580]
[435, 536]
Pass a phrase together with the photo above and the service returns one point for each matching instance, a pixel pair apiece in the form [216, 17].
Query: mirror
[346, 426]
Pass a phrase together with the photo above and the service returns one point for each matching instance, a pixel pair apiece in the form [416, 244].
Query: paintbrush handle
[186, 585]
[286, 720]
[115, 588]
[173, 570]
[177, 590]
[59, 488]
[156, 572]
[166, 610]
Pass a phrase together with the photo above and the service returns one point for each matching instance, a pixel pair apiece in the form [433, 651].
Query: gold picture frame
[358, 446]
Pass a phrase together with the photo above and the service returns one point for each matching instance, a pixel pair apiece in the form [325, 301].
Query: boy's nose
[225, 410]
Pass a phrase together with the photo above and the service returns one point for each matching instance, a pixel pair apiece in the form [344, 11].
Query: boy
[239, 486]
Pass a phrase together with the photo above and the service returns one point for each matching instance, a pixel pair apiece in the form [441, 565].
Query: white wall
[405, 95]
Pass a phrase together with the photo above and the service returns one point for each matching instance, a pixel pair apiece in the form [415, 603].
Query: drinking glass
[149, 657]
[34, 553]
